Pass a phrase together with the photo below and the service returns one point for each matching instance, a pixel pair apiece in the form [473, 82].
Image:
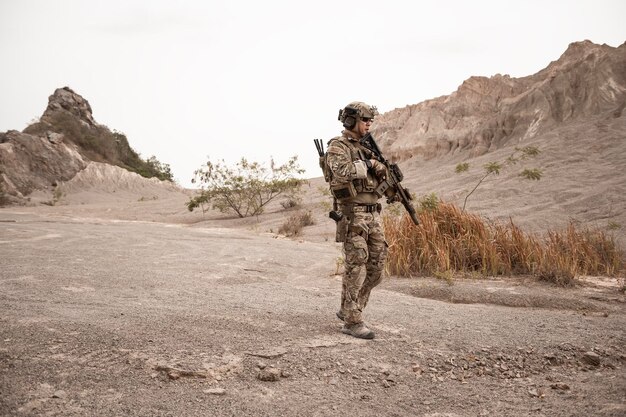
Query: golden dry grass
[451, 240]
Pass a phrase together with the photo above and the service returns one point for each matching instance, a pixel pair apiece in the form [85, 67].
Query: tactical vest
[340, 189]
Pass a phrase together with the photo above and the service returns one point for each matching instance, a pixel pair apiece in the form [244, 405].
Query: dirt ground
[107, 312]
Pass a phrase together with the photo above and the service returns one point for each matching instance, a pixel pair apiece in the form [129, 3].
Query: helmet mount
[354, 111]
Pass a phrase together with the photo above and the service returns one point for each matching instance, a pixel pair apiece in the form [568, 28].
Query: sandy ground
[121, 302]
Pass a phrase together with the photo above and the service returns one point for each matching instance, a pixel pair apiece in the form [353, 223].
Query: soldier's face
[363, 126]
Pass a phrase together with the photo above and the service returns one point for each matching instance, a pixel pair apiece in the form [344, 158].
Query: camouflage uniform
[364, 246]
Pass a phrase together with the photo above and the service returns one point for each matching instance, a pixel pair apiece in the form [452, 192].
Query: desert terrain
[115, 300]
[119, 301]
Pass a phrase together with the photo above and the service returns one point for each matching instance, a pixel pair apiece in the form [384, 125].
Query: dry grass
[450, 240]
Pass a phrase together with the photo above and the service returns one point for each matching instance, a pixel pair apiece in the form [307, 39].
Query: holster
[342, 229]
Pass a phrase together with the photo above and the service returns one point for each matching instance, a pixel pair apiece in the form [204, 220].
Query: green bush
[462, 167]
[531, 174]
[100, 144]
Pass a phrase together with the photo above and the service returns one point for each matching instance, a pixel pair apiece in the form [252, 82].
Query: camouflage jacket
[350, 181]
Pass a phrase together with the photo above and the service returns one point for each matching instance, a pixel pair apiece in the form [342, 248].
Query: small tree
[490, 168]
[246, 188]
[495, 167]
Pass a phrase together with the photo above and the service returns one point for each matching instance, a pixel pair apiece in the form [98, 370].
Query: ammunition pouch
[343, 190]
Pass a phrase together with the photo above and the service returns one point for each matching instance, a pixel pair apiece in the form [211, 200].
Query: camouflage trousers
[364, 248]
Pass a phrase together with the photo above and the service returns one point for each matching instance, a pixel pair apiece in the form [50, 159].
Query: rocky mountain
[485, 114]
[571, 113]
[62, 143]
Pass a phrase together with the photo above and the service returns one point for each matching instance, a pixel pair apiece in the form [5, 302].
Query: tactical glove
[378, 168]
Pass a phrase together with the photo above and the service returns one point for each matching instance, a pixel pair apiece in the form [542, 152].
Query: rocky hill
[571, 112]
[61, 144]
[485, 114]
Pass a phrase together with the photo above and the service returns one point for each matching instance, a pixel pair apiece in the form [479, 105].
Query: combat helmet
[354, 111]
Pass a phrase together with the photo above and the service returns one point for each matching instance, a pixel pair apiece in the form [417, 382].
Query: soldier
[354, 174]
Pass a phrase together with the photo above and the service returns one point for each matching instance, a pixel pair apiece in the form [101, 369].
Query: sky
[189, 81]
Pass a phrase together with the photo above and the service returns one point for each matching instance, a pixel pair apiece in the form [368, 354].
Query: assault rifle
[391, 186]
[335, 215]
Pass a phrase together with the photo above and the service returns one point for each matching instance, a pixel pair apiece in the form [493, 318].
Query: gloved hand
[378, 168]
[394, 199]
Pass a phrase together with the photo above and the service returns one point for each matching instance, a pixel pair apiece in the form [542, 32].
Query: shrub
[294, 224]
[4, 199]
[462, 167]
[531, 174]
[246, 188]
[291, 202]
[429, 202]
[612, 225]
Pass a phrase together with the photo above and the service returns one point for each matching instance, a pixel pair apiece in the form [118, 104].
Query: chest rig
[341, 189]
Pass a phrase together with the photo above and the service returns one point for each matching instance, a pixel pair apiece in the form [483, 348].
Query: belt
[361, 208]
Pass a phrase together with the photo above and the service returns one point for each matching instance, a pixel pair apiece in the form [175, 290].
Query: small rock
[215, 391]
[270, 353]
[560, 386]
[386, 384]
[591, 358]
[54, 137]
[269, 374]
[533, 392]
[261, 365]
[59, 394]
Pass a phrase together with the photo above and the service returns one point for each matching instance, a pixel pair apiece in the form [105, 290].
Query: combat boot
[359, 330]
[341, 316]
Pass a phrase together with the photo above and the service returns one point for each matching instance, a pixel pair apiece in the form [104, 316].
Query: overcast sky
[187, 80]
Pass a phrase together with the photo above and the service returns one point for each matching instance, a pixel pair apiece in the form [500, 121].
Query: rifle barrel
[320, 146]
